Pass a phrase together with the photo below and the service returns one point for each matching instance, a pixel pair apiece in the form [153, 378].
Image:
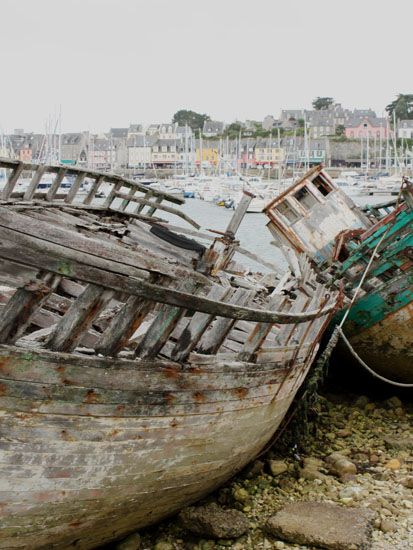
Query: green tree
[402, 107]
[191, 118]
[233, 130]
[322, 103]
[340, 129]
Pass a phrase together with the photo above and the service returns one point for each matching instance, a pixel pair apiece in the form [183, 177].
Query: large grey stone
[212, 521]
[323, 525]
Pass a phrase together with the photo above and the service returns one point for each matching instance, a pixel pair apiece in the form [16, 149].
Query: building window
[322, 185]
[305, 198]
[287, 211]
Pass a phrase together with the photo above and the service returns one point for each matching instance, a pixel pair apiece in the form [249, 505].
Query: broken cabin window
[287, 211]
[322, 185]
[305, 198]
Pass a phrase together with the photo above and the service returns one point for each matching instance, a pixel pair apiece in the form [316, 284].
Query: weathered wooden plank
[158, 206]
[50, 195]
[112, 193]
[37, 176]
[73, 241]
[123, 326]
[153, 209]
[212, 340]
[35, 256]
[239, 213]
[75, 187]
[78, 319]
[12, 180]
[196, 327]
[163, 325]
[16, 315]
[94, 189]
[260, 331]
[285, 331]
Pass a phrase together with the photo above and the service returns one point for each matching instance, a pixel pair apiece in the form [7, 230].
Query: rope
[371, 371]
[339, 328]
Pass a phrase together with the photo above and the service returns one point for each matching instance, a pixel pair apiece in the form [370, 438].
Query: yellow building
[210, 155]
[269, 155]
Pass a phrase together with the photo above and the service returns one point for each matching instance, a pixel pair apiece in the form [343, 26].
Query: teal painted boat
[369, 252]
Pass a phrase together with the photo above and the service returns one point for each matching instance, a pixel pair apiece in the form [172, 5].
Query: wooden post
[239, 214]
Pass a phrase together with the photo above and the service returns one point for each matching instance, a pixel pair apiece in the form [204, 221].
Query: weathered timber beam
[50, 195]
[112, 178]
[260, 332]
[163, 325]
[19, 248]
[79, 318]
[123, 326]
[94, 189]
[214, 338]
[16, 314]
[37, 176]
[124, 261]
[196, 327]
[12, 180]
[158, 206]
[75, 187]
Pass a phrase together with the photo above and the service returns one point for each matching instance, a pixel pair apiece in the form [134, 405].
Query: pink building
[366, 127]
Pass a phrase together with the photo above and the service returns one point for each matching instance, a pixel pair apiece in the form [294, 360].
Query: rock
[215, 522]
[133, 542]
[240, 495]
[345, 432]
[277, 467]
[163, 545]
[407, 504]
[323, 525]
[393, 464]
[361, 402]
[402, 444]
[388, 525]
[340, 465]
[407, 482]
[393, 403]
[353, 492]
[278, 545]
[255, 469]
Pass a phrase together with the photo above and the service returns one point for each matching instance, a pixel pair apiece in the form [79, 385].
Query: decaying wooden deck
[136, 375]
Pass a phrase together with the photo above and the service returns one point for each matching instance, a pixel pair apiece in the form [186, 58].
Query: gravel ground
[376, 441]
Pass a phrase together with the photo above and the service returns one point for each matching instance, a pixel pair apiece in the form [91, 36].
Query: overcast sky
[114, 62]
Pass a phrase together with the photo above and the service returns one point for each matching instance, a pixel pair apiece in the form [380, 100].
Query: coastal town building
[405, 129]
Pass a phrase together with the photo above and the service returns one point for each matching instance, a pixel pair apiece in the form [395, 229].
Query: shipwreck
[140, 368]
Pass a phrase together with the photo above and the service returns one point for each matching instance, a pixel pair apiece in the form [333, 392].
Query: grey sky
[112, 62]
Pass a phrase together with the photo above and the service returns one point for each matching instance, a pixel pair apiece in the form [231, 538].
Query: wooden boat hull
[380, 328]
[90, 451]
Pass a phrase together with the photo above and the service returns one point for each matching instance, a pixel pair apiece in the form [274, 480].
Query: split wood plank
[213, 339]
[12, 180]
[75, 187]
[94, 189]
[50, 195]
[163, 325]
[197, 326]
[78, 319]
[261, 330]
[37, 176]
[17, 313]
[158, 206]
